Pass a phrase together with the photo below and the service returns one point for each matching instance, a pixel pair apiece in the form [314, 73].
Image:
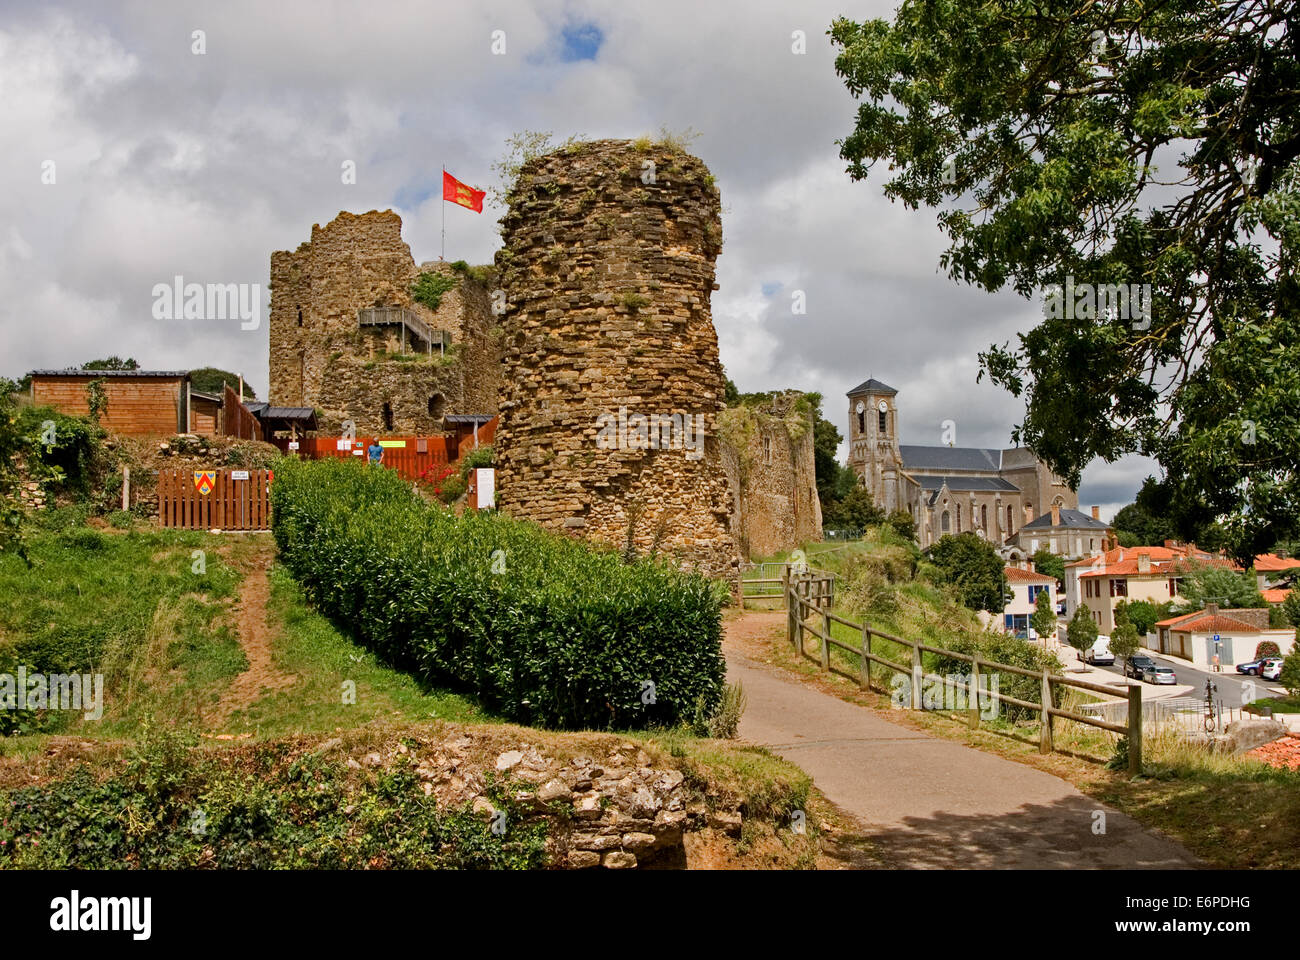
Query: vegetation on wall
[430, 286]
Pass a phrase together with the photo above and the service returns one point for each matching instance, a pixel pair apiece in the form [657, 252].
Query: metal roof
[1069, 518]
[286, 413]
[77, 372]
[966, 483]
[872, 386]
[941, 459]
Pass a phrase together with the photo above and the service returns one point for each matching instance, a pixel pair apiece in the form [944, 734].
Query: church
[996, 493]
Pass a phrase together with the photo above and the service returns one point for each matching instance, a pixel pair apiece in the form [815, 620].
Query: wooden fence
[238, 500]
[801, 605]
[816, 586]
[411, 459]
[236, 419]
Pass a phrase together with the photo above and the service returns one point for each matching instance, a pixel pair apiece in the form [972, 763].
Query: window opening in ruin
[388, 415]
[300, 316]
[436, 404]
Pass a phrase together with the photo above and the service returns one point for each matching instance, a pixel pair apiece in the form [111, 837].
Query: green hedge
[548, 631]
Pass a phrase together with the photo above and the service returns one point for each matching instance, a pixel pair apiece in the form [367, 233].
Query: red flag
[453, 191]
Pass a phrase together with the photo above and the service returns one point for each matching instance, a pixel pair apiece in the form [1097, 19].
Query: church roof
[941, 459]
[966, 483]
[1069, 518]
[872, 386]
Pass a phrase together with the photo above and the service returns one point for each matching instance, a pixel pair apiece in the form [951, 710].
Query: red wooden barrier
[232, 503]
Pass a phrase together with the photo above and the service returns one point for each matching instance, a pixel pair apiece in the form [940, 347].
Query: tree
[1082, 631]
[1156, 515]
[973, 566]
[857, 510]
[1079, 148]
[209, 380]
[1204, 583]
[1144, 615]
[1049, 564]
[1044, 618]
[1124, 639]
[111, 363]
[1290, 676]
[903, 523]
[12, 442]
[1291, 608]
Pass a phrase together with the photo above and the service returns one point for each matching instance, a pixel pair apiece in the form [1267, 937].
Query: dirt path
[262, 675]
[929, 802]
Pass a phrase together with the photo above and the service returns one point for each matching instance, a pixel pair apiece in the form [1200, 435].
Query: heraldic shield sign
[205, 481]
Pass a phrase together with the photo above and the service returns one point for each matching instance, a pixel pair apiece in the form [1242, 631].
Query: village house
[1024, 586]
[1065, 532]
[1100, 582]
[1232, 635]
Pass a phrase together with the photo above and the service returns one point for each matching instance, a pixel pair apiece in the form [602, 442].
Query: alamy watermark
[654, 431]
[53, 691]
[1087, 301]
[213, 301]
[948, 693]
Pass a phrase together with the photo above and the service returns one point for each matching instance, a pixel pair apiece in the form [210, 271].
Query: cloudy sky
[167, 162]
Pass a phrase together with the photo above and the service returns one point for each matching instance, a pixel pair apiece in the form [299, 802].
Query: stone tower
[612, 383]
[873, 442]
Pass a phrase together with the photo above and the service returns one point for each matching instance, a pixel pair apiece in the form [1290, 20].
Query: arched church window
[944, 522]
[883, 424]
[984, 516]
[1011, 519]
[959, 518]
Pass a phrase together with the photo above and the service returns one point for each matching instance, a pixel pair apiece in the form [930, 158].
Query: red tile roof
[1215, 624]
[1275, 596]
[1123, 561]
[1017, 575]
[1271, 563]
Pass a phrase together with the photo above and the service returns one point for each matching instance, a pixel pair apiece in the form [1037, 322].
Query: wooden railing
[816, 586]
[800, 608]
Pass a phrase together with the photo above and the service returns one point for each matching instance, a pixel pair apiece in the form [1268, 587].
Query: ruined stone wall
[608, 279]
[321, 358]
[771, 469]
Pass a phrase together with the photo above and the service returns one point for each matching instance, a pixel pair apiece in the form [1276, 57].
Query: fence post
[1134, 729]
[866, 657]
[789, 605]
[126, 488]
[973, 696]
[826, 640]
[798, 625]
[916, 675]
[1045, 724]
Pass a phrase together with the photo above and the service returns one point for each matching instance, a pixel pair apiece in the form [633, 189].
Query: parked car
[1158, 674]
[1137, 665]
[1251, 668]
[1271, 669]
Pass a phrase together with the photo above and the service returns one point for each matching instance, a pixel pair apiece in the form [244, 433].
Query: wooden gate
[237, 499]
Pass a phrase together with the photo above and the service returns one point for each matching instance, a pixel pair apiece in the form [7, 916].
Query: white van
[1099, 652]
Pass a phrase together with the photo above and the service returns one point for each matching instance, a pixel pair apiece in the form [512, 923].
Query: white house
[1024, 587]
[1232, 634]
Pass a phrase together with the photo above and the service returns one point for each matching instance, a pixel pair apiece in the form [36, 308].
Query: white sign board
[238, 474]
[343, 444]
[485, 483]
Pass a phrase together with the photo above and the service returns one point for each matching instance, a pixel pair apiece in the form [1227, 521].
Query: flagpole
[443, 256]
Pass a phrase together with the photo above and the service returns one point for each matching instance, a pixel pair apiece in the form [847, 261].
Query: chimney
[1096, 513]
[1144, 563]
[1171, 544]
[1212, 609]
[1191, 550]
[1056, 514]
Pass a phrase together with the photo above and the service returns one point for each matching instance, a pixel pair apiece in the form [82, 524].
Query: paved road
[932, 803]
[1232, 685]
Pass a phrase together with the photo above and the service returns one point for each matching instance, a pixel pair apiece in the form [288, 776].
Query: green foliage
[1043, 619]
[1291, 608]
[74, 462]
[177, 808]
[1124, 639]
[1290, 676]
[1001, 648]
[634, 301]
[1049, 564]
[453, 488]
[209, 380]
[546, 630]
[121, 519]
[97, 399]
[12, 442]
[1205, 583]
[1157, 514]
[1267, 648]
[1144, 615]
[1081, 634]
[478, 457]
[1036, 131]
[430, 286]
[723, 723]
[855, 511]
[902, 523]
[111, 363]
[974, 567]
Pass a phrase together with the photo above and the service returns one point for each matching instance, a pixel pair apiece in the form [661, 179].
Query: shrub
[1290, 676]
[121, 519]
[1008, 649]
[1267, 648]
[546, 630]
[724, 724]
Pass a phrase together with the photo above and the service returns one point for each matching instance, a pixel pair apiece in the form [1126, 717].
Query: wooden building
[140, 402]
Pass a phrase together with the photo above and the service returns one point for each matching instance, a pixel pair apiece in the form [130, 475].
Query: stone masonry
[321, 356]
[608, 268]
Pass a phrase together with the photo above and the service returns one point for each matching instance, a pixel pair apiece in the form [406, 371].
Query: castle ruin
[612, 383]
